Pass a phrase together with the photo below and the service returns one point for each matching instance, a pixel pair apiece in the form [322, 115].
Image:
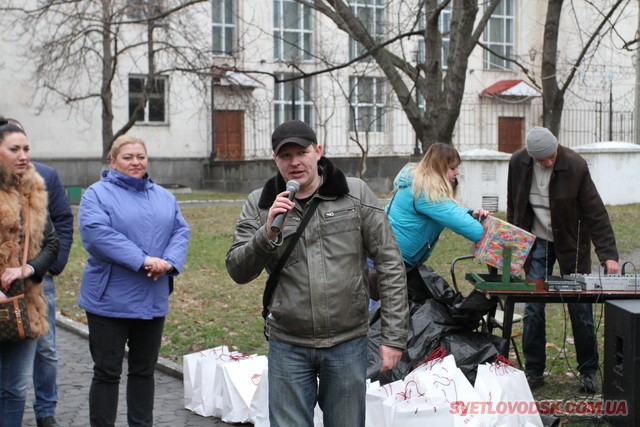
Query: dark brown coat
[576, 208]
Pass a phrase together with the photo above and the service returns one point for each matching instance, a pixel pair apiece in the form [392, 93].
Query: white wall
[614, 169]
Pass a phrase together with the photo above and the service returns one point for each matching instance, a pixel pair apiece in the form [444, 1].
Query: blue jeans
[294, 389]
[534, 336]
[45, 364]
[107, 339]
[16, 364]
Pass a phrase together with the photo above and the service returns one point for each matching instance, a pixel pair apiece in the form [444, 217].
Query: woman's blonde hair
[431, 174]
[124, 140]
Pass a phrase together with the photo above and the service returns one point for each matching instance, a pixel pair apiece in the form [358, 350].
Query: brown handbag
[14, 318]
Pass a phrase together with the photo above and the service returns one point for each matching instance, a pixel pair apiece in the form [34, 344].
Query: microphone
[292, 188]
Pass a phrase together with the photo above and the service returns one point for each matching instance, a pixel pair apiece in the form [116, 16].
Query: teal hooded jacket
[417, 223]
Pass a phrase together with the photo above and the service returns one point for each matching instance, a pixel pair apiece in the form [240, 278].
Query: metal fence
[581, 124]
[476, 128]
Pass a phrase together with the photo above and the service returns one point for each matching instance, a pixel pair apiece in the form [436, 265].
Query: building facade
[214, 130]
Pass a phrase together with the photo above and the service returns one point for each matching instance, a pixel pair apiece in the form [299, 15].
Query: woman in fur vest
[23, 218]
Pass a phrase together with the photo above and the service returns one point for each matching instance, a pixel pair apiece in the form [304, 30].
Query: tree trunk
[106, 94]
[552, 97]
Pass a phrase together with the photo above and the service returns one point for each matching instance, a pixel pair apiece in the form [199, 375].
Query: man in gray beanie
[550, 193]
[541, 143]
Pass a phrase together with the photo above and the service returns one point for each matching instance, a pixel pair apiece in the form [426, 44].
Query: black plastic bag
[438, 316]
[469, 311]
[471, 349]
[424, 283]
[426, 323]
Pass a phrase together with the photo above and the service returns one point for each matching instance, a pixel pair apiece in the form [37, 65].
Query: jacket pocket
[99, 274]
[340, 220]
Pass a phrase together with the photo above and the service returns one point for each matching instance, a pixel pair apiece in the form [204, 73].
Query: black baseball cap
[295, 131]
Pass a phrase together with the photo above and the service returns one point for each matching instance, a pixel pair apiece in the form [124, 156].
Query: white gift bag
[236, 384]
[441, 378]
[259, 407]
[417, 412]
[192, 384]
[205, 400]
[376, 395]
[507, 390]
[439, 367]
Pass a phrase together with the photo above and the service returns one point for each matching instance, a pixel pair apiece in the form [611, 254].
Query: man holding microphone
[317, 317]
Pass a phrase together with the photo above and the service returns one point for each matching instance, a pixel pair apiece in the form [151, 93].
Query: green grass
[208, 309]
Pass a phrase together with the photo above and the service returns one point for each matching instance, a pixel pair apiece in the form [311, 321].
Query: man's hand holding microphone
[280, 208]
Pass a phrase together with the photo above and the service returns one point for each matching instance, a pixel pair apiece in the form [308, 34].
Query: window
[371, 13]
[291, 31]
[292, 100]
[367, 104]
[144, 9]
[223, 27]
[155, 108]
[444, 24]
[499, 37]
[445, 27]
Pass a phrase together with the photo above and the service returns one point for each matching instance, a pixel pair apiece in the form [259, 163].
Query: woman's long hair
[431, 174]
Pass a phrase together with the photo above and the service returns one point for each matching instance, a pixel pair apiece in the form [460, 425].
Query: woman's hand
[12, 274]
[480, 214]
[156, 267]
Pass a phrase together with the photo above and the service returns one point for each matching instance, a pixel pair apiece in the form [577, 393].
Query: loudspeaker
[622, 359]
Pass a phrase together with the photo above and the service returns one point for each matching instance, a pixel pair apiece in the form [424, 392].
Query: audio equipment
[621, 380]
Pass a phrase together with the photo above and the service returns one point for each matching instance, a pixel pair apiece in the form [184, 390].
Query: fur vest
[17, 195]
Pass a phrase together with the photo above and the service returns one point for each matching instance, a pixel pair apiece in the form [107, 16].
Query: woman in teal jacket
[424, 204]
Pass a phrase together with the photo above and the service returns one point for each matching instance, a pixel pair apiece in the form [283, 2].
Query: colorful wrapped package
[497, 235]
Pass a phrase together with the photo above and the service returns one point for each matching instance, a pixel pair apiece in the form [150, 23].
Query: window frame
[226, 28]
[300, 106]
[444, 27]
[137, 9]
[376, 25]
[503, 18]
[302, 48]
[378, 94]
[134, 97]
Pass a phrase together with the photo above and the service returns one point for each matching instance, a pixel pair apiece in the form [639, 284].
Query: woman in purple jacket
[137, 242]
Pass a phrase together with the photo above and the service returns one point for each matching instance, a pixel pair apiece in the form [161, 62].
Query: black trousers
[107, 339]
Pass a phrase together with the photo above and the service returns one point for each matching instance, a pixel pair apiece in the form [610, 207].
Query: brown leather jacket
[576, 208]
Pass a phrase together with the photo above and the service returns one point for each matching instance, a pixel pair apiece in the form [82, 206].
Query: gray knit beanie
[541, 143]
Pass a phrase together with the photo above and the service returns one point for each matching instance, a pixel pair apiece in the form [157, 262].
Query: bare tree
[443, 91]
[79, 47]
[553, 91]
